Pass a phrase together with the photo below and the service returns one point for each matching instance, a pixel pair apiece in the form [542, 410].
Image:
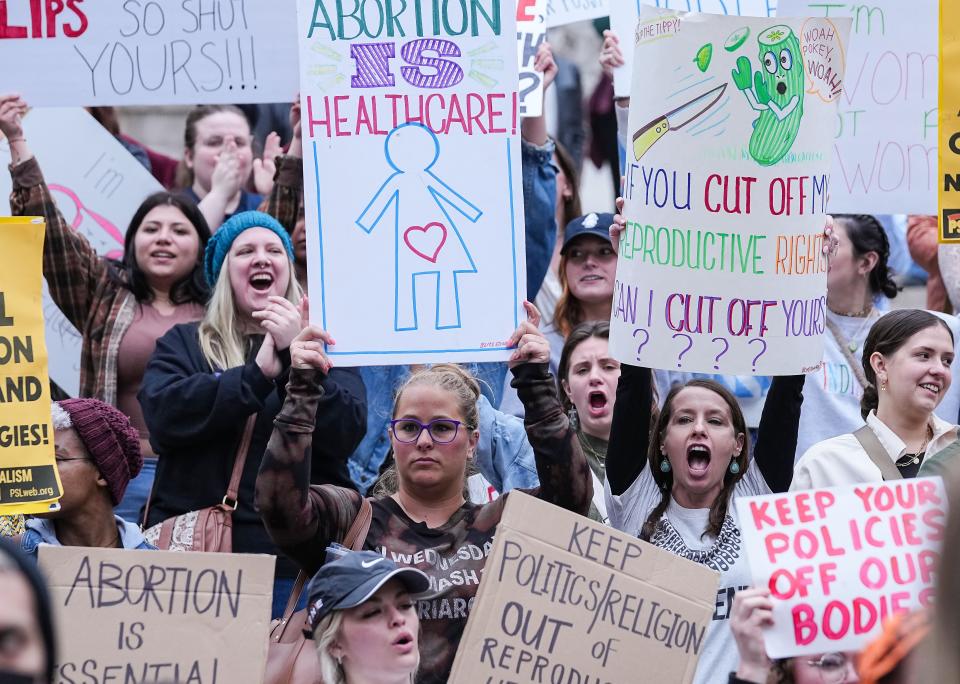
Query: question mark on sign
[646, 338]
[535, 81]
[685, 349]
[762, 351]
[726, 347]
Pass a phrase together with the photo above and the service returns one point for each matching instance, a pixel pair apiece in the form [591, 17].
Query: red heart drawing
[433, 232]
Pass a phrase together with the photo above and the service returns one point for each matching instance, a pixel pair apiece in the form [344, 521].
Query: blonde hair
[223, 342]
[465, 388]
[453, 379]
[325, 633]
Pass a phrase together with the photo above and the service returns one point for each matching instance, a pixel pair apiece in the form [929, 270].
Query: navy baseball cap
[353, 579]
[590, 224]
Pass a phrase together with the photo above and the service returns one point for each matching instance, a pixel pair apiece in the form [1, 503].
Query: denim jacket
[539, 211]
[41, 531]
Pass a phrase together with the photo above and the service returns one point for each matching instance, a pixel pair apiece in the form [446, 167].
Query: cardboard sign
[721, 266]
[582, 602]
[838, 561]
[949, 169]
[624, 15]
[29, 482]
[98, 186]
[885, 158]
[531, 32]
[560, 12]
[140, 52]
[159, 616]
[412, 180]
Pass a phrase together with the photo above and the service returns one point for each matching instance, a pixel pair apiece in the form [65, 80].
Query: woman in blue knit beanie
[205, 379]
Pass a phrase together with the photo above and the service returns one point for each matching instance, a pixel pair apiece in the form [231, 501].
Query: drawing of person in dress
[428, 243]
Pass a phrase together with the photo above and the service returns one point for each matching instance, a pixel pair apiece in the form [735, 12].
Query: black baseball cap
[589, 224]
[352, 579]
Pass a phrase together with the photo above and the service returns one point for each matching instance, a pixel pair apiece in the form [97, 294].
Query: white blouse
[842, 461]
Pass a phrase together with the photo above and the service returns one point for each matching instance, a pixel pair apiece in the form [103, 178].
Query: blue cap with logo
[353, 579]
[589, 224]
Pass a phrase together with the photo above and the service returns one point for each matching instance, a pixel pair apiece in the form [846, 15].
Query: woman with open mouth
[206, 379]
[120, 306]
[672, 479]
[907, 361]
[362, 612]
[587, 377]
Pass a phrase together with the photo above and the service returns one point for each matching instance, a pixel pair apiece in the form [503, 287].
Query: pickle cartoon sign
[624, 15]
[412, 181]
[721, 265]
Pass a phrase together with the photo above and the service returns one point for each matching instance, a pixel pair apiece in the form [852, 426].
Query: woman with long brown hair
[671, 479]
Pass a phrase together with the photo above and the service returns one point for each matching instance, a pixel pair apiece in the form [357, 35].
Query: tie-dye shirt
[304, 520]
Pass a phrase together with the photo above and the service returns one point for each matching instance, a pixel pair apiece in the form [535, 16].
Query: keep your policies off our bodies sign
[721, 265]
[412, 179]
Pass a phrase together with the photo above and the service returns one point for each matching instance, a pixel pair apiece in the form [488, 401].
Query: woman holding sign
[120, 308]
[907, 361]
[428, 523]
[680, 496]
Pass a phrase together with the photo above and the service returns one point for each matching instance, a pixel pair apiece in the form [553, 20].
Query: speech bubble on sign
[823, 58]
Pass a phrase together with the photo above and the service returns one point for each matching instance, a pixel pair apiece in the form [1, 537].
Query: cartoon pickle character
[777, 93]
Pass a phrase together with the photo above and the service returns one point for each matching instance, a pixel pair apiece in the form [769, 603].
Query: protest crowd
[220, 404]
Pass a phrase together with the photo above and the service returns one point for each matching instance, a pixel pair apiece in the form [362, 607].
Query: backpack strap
[356, 535]
[871, 444]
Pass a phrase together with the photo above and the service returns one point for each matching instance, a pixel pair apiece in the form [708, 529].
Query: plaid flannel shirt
[79, 282]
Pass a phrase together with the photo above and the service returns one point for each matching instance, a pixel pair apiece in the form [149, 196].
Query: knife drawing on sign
[675, 119]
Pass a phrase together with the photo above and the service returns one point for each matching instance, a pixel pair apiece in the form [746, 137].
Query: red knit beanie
[112, 442]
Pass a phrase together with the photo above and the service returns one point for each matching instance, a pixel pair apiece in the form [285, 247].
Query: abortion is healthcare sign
[412, 180]
[726, 181]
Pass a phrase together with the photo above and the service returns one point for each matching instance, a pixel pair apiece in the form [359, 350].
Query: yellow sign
[949, 121]
[29, 482]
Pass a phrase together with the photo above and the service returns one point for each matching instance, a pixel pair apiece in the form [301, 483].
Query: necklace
[865, 311]
[914, 459]
[590, 450]
[853, 342]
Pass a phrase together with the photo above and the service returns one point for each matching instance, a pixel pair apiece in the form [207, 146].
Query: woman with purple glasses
[427, 523]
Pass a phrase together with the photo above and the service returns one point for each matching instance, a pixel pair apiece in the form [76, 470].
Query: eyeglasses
[832, 667]
[441, 430]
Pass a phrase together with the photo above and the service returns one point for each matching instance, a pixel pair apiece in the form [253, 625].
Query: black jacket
[196, 418]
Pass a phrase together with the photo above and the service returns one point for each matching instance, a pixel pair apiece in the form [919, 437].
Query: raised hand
[12, 110]
[742, 74]
[265, 167]
[531, 345]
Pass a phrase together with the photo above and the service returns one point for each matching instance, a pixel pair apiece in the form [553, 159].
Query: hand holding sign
[752, 613]
[532, 346]
[611, 56]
